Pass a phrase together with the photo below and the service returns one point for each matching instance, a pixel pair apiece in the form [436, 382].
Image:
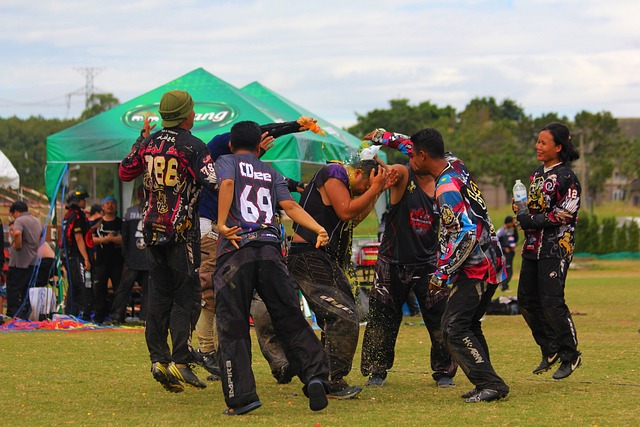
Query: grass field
[102, 378]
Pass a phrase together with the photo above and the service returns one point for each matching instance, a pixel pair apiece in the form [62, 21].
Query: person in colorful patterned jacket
[175, 165]
[470, 260]
[406, 259]
[547, 251]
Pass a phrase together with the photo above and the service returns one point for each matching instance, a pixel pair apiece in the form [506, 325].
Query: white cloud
[335, 57]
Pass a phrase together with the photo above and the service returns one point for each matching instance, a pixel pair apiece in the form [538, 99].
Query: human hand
[323, 238]
[146, 127]
[378, 180]
[375, 136]
[306, 122]
[266, 142]
[231, 234]
[392, 178]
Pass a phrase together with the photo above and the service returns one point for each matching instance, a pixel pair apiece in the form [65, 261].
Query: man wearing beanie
[175, 165]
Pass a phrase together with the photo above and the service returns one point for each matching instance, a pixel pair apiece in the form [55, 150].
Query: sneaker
[186, 375]
[317, 395]
[546, 363]
[209, 361]
[375, 380]
[469, 394]
[445, 382]
[283, 374]
[349, 392]
[567, 367]
[243, 409]
[168, 381]
[486, 395]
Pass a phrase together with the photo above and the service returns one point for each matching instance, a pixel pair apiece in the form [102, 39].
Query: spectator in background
[508, 237]
[108, 263]
[76, 244]
[25, 240]
[136, 267]
[95, 214]
[46, 268]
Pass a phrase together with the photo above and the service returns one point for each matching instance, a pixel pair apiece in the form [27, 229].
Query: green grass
[102, 378]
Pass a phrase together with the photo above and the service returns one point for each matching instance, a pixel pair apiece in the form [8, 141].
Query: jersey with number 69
[554, 200]
[258, 188]
[176, 165]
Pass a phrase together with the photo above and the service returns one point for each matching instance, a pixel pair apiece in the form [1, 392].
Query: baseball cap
[175, 106]
[109, 199]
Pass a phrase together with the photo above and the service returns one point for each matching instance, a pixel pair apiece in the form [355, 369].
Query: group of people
[210, 271]
[101, 249]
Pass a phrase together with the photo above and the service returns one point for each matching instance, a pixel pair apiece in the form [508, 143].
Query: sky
[338, 59]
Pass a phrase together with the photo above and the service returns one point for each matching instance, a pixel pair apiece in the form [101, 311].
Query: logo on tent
[209, 115]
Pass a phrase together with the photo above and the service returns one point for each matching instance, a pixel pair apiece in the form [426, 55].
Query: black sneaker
[186, 375]
[284, 374]
[469, 394]
[375, 380]
[317, 395]
[445, 382]
[168, 381]
[486, 395]
[546, 363]
[339, 389]
[567, 367]
[243, 409]
[209, 361]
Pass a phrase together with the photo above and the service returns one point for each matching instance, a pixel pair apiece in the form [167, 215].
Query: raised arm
[300, 216]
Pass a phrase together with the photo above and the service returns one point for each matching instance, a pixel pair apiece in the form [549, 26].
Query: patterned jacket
[175, 165]
[554, 200]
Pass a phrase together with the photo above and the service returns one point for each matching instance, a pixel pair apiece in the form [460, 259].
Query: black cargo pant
[386, 299]
[260, 267]
[330, 296]
[123, 295]
[78, 298]
[542, 304]
[462, 331]
[174, 301]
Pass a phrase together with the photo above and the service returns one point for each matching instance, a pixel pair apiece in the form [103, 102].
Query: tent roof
[8, 174]
[107, 137]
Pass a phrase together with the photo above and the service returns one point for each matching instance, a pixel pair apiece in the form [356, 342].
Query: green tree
[23, 141]
[608, 236]
[634, 237]
[99, 103]
[600, 141]
[404, 118]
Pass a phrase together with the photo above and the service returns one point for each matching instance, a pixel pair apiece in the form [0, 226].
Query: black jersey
[340, 232]
[258, 188]
[175, 165]
[75, 221]
[411, 229]
[554, 200]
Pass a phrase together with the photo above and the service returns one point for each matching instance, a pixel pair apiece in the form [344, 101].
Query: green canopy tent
[107, 137]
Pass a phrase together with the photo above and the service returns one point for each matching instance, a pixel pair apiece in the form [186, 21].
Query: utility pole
[89, 73]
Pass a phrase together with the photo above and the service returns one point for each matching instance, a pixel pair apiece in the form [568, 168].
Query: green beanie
[175, 106]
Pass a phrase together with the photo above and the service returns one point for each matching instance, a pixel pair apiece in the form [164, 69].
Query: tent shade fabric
[9, 177]
[108, 137]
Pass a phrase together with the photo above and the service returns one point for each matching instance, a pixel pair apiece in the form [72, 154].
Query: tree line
[496, 140]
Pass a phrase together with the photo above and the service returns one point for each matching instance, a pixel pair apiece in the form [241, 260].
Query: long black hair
[562, 136]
